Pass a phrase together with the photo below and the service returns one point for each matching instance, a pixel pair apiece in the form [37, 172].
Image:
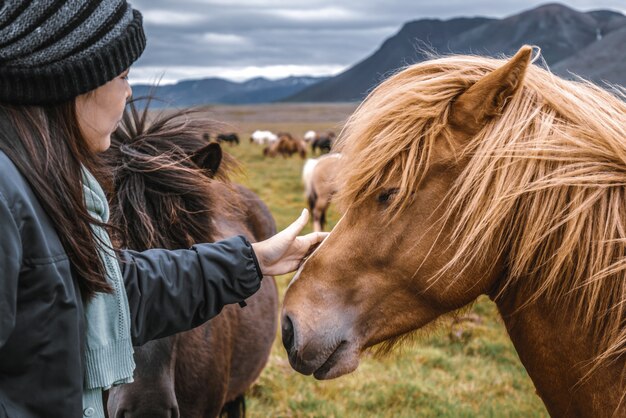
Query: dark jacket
[41, 312]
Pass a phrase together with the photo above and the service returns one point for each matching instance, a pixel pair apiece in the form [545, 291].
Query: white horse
[310, 136]
[307, 174]
[263, 137]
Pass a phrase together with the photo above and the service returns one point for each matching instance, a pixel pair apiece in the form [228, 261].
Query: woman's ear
[487, 98]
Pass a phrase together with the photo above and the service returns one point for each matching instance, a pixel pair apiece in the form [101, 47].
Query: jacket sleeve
[171, 291]
[10, 264]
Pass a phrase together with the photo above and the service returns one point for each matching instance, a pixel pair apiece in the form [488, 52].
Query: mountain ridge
[218, 90]
[561, 32]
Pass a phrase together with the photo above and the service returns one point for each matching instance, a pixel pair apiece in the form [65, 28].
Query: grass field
[450, 370]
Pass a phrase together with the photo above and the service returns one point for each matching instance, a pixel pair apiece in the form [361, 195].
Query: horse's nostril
[287, 331]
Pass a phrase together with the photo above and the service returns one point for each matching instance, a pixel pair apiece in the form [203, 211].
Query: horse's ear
[208, 157]
[489, 95]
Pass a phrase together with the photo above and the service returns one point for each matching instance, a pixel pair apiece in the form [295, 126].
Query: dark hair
[46, 145]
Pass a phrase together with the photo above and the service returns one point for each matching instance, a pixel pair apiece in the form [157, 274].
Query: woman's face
[100, 111]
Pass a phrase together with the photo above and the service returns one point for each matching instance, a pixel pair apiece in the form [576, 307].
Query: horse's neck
[228, 220]
[556, 354]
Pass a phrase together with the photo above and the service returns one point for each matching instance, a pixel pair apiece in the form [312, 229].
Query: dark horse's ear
[208, 157]
[489, 95]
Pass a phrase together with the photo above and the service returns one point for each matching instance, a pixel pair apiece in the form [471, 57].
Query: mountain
[262, 90]
[408, 46]
[217, 90]
[599, 61]
[592, 44]
[557, 29]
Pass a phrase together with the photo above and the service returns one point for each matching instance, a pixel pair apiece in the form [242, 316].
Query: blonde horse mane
[545, 182]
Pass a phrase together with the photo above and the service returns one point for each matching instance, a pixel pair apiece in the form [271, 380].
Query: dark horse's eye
[386, 195]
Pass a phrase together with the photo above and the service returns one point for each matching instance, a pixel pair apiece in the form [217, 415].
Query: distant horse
[465, 176]
[310, 136]
[263, 137]
[170, 192]
[319, 178]
[323, 142]
[231, 138]
[285, 146]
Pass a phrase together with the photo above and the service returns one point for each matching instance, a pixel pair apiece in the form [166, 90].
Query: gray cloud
[210, 34]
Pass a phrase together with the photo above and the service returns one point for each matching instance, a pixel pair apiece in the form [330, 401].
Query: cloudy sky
[241, 39]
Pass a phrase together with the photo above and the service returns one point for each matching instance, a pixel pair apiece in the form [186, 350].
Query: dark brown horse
[171, 192]
[231, 138]
[323, 142]
[466, 176]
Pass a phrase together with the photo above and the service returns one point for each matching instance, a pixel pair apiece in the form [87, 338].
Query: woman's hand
[284, 252]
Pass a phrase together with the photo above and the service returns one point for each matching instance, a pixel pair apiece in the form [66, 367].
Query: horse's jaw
[344, 360]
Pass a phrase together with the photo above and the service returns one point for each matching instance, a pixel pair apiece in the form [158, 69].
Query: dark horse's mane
[161, 195]
[169, 187]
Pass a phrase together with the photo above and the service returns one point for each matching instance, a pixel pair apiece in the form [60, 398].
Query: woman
[70, 306]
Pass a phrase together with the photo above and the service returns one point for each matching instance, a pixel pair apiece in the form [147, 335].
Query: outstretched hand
[283, 253]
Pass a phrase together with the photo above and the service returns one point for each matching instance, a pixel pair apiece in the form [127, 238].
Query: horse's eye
[386, 195]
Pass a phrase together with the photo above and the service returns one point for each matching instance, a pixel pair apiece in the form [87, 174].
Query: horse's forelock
[162, 197]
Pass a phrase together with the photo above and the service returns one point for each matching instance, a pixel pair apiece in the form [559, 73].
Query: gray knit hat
[53, 50]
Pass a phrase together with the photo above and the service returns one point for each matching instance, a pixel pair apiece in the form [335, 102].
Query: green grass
[478, 375]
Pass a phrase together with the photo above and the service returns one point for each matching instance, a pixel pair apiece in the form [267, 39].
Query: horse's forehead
[297, 274]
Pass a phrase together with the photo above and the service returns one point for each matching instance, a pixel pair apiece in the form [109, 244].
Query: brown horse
[319, 178]
[170, 192]
[466, 176]
[286, 145]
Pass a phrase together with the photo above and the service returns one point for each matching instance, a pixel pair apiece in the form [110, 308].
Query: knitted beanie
[53, 50]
